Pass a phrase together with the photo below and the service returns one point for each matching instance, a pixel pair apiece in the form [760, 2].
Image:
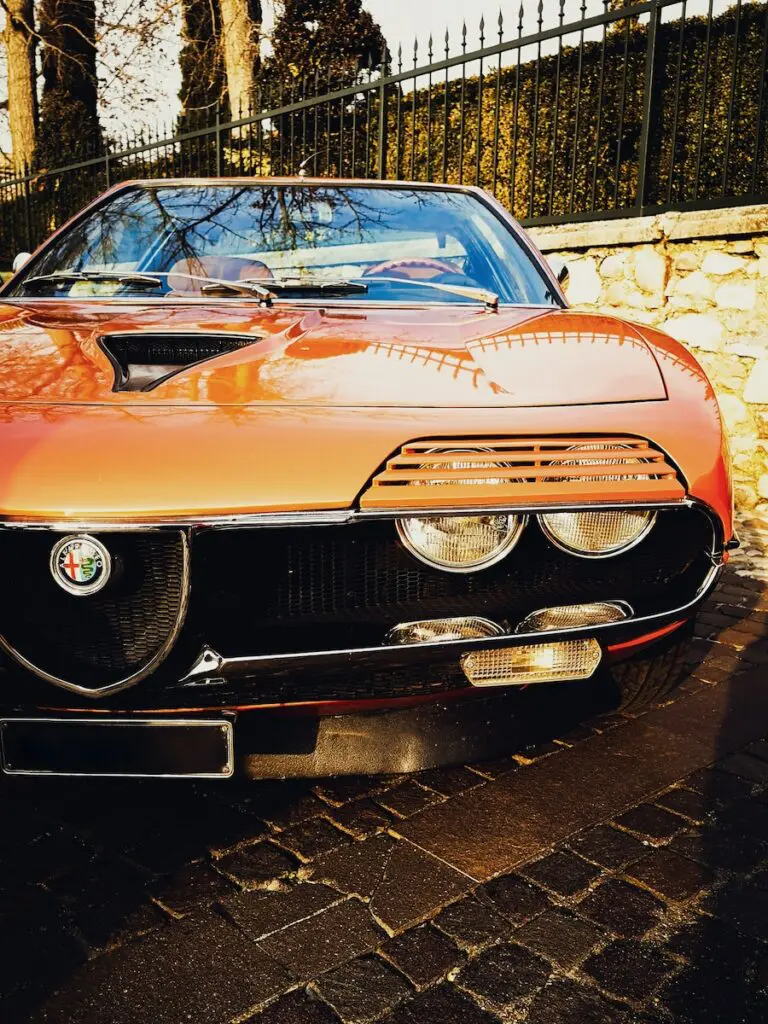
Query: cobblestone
[560, 936]
[611, 870]
[562, 872]
[424, 955]
[363, 990]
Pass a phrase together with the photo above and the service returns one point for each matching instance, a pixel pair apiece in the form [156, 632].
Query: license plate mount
[101, 747]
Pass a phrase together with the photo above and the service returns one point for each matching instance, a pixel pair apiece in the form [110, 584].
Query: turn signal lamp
[532, 663]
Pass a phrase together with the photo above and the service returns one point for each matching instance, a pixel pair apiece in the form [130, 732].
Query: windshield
[391, 244]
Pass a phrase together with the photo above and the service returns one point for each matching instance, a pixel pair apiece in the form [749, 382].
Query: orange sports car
[305, 477]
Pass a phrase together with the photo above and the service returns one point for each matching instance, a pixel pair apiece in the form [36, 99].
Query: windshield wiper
[73, 276]
[489, 299]
[215, 287]
[295, 285]
[218, 286]
[318, 285]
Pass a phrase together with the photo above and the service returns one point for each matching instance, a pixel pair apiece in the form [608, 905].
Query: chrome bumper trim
[211, 666]
[330, 517]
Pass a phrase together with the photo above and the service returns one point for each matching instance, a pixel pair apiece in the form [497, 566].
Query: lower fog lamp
[571, 616]
[434, 631]
[532, 663]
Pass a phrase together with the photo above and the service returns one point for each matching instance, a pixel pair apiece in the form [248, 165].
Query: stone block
[584, 285]
[741, 245]
[615, 265]
[736, 296]
[363, 991]
[686, 261]
[697, 330]
[603, 233]
[756, 389]
[636, 299]
[747, 349]
[650, 269]
[734, 411]
[741, 220]
[696, 285]
[721, 264]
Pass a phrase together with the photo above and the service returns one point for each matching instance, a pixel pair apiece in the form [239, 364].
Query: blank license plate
[133, 748]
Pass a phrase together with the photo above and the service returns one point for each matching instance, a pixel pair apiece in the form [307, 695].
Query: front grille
[320, 588]
[101, 639]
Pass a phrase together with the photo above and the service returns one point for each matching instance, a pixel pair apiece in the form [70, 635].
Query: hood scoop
[144, 360]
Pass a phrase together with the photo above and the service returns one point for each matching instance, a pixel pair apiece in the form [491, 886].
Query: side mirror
[560, 270]
[20, 259]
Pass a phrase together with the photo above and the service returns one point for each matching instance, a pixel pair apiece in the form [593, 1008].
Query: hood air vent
[142, 361]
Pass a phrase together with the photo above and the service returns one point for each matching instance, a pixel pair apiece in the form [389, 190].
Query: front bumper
[299, 615]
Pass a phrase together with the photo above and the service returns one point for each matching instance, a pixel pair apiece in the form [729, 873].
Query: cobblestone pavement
[612, 869]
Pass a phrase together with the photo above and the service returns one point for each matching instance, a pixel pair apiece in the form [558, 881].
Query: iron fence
[637, 109]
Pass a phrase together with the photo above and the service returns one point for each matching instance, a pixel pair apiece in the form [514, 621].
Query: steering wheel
[415, 269]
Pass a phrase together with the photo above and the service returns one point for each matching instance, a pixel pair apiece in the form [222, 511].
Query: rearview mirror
[19, 260]
[560, 270]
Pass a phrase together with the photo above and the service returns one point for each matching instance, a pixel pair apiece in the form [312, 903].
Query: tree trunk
[69, 120]
[19, 40]
[240, 22]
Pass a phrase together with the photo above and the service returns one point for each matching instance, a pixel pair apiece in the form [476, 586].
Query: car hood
[53, 353]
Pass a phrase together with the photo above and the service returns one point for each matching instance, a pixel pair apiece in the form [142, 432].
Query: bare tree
[20, 41]
[240, 26]
[219, 55]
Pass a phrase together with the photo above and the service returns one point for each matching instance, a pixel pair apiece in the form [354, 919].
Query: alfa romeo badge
[80, 564]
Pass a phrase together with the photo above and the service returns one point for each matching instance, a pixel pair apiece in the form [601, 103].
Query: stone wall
[703, 278]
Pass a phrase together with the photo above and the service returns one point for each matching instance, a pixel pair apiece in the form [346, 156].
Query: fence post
[649, 112]
[219, 171]
[382, 161]
[107, 175]
[27, 211]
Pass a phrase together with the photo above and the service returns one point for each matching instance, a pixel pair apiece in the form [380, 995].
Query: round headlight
[597, 534]
[461, 543]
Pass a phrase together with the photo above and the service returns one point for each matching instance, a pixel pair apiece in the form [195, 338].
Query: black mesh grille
[97, 640]
[316, 588]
